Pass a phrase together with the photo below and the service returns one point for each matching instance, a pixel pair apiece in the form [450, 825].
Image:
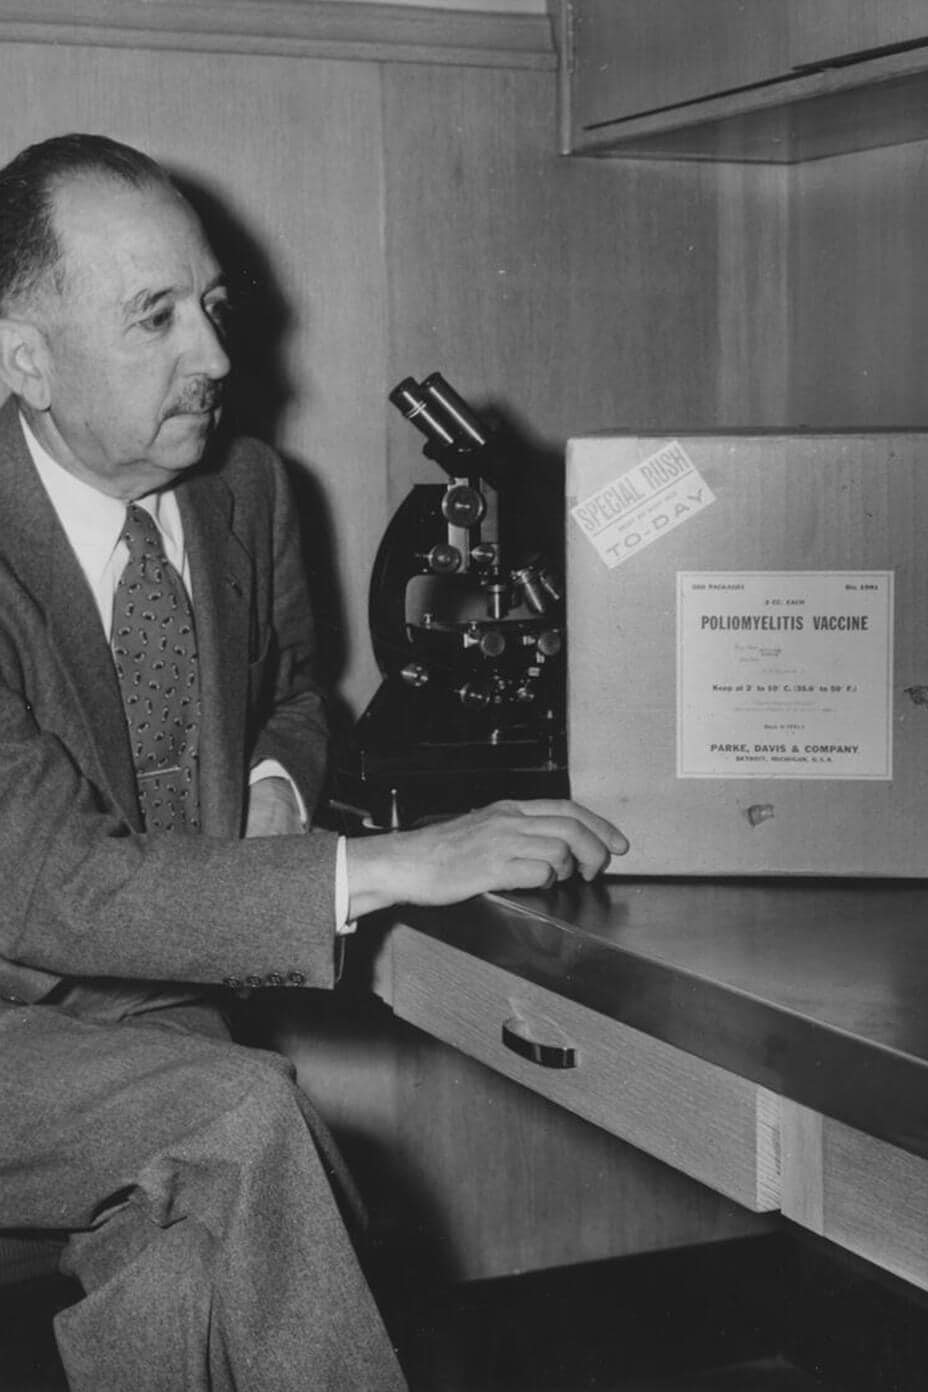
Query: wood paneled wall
[416, 216]
[291, 150]
[859, 290]
[586, 294]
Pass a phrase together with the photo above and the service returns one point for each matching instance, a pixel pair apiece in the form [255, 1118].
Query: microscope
[467, 627]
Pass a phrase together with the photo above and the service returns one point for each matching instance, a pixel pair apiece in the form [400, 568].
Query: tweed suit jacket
[85, 892]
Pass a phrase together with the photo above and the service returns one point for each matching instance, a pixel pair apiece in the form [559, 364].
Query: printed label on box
[644, 504]
[784, 674]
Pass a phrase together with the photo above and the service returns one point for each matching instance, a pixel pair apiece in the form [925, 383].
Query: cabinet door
[629, 57]
[825, 29]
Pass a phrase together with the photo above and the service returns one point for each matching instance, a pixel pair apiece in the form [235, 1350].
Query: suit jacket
[85, 891]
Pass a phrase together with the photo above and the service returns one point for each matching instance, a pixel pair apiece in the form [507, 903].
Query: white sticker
[643, 504]
[785, 674]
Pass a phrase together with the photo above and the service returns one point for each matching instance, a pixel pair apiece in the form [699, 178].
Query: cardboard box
[748, 650]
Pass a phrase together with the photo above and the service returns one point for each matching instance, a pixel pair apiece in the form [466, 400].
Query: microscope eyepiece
[408, 398]
[444, 417]
[469, 428]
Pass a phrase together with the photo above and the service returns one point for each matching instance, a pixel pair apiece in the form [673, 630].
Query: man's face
[134, 342]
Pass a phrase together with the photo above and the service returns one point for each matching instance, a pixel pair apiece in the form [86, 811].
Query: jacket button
[232, 982]
[254, 981]
[274, 979]
[295, 978]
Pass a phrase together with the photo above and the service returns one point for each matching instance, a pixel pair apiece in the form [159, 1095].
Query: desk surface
[816, 990]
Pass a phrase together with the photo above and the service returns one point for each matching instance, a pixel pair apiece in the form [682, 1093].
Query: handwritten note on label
[640, 506]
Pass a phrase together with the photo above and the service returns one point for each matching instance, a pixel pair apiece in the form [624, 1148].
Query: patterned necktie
[155, 652]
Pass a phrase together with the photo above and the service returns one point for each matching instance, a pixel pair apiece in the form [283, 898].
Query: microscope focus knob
[550, 642]
[493, 643]
[444, 559]
[462, 505]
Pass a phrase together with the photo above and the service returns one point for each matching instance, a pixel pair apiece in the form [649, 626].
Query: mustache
[198, 396]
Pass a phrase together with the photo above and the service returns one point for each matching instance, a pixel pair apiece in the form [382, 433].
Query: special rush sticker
[642, 505]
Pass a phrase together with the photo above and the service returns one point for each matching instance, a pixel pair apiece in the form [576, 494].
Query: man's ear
[24, 363]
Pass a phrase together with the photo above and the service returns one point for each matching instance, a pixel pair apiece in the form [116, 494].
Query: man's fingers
[565, 842]
[615, 841]
[547, 846]
[509, 845]
[532, 874]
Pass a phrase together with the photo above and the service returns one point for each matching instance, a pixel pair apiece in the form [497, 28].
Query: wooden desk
[769, 1040]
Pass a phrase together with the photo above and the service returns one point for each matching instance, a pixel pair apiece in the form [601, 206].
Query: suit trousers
[194, 1183]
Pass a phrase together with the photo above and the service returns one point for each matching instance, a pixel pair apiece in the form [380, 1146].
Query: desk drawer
[707, 1122]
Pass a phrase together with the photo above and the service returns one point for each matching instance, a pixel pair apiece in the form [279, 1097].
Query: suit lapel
[220, 574]
[43, 561]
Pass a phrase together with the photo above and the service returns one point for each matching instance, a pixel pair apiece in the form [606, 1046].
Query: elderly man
[162, 746]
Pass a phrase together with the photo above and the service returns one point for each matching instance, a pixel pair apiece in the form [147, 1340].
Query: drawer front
[709, 1123]
[863, 1194]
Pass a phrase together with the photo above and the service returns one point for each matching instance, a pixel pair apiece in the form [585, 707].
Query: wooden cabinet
[765, 1151]
[822, 30]
[632, 57]
[598, 1009]
[755, 80]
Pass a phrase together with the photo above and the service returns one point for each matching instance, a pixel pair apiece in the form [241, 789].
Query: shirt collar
[92, 520]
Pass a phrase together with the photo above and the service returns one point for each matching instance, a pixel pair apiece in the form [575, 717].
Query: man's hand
[272, 809]
[508, 845]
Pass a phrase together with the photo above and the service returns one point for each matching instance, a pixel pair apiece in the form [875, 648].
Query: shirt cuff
[270, 768]
[343, 924]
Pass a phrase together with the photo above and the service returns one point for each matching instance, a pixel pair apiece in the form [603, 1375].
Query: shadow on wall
[258, 392]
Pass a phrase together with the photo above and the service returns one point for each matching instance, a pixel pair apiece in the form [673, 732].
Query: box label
[642, 505]
[784, 674]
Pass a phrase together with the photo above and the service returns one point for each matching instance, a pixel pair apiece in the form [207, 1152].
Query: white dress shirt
[93, 523]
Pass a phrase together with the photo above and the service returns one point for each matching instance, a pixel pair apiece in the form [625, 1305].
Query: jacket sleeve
[86, 895]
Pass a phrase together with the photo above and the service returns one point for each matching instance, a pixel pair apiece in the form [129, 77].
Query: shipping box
[748, 650]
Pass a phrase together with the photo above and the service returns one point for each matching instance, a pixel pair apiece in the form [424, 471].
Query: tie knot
[140, 533]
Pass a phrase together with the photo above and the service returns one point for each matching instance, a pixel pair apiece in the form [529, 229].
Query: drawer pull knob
[517, 1036]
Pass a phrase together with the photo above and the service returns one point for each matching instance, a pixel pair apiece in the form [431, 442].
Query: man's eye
[160, 319]
[220, 313]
